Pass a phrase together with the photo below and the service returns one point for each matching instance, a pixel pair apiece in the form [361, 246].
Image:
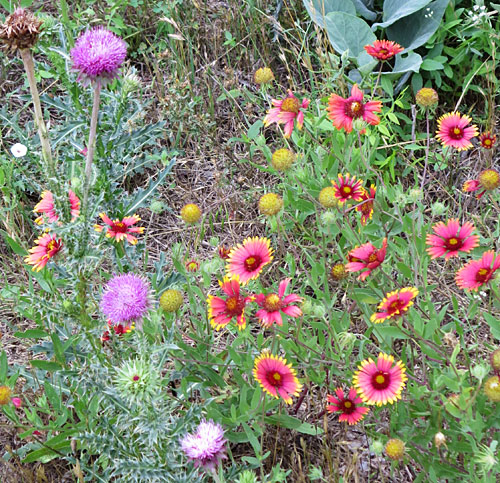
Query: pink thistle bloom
[286, 112]
[489, 179]
[248, 259]
[350, 406]
[343, 111]
[125, 299]
[348, 188]
[207, 446]
[366, 205]
[454, 130]
[98, 55]
[477, 273]
[46, 207]
[380, 382]
[450, 239]
[276, 377]
[17, 402]
[487, 140]
[383, 49]
[46, 247]
[120, 229]
[366, 257]
[394, 304]
[222, 311]
[273, 304]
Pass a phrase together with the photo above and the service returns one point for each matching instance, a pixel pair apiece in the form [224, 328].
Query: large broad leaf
[416, 29]
[363, 10]
[348, 33]
[396, 9]
[405, 62]
[319, 9]
[366, 63]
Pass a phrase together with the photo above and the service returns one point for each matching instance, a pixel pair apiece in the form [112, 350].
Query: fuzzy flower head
[125, 299]
[450, 239]
[339, 272]
[427, 97]
[367, 257]
[487, 140]
[328, 197]
[276, 377]
[343, 112]
[477, 273]
[380, 382]
[287, 111]
[394, 305]
[270, 204]
[120, 229]
[247, 260]
[347, 188]
[191, 213]
[46, 247]
[46, 207]
[454, 131]
[282, 159]
[171, 300]
[273, 304]
[5, 395]
[137, 381]
[222, 310]
[20, 30]
[350, 406]
[383, 49]
[98, 55]
[264, 75]
[488, 180]
[395, 449]
[206, 447]
[365, 207]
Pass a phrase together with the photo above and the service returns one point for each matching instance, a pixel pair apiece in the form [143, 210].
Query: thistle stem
[29, 66]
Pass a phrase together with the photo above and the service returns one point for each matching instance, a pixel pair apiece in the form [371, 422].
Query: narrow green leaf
[46, 365]
[31, 334]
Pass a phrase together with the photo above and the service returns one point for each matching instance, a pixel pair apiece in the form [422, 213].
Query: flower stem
[29, 66]
[426, 148]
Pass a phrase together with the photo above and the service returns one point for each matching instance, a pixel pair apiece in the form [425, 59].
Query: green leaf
[46, 365]
[14, 246]
[68, 129]
[51, 449]
[31, 334]
[254, 130]
[3, 366]
[405, 62]
[396, 9]
[254, 440]
[348, 33]
[363, 10]
[494, 324]
[319, 9]
[430, 65]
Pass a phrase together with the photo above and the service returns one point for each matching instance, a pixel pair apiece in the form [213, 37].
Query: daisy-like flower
[46, 247]
[224, 252]
[46, 207]
[477, 273]
[249, 258]
[348, 188]
[380, 382]
[126, 299]
[120, 229]
[450, 239]
[343, 111]
[276, 377]
[367, 257]
[454, 130]
[394, 304]
[488, 180]
[287, 111]
[207, 446]
[98, 55]
[222, 311]
[273, 304]
[192, 266]
[383, 49]
[349, 406]
[366, 204]
[487, 140]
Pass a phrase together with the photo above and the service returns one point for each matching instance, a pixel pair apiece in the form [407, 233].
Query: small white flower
[19, 150]
[476, 8]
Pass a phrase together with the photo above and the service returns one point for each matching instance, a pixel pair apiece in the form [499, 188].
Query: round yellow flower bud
[489, 179]
[492, 388]
[5, 395]
[264, 75]
[327, 197]
[190, 213]
[283, 159]
[395, 449]
[495, 360]
[338, 272]
[427, 97]
[270, 204]
[171, 300]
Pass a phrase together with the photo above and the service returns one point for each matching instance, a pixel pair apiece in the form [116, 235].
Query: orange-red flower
[487, 140]
[383, 49]
[45, 248]
[287, 111]
[46, 207]
[120, 229]
[488, 180]
[365, 206]
[450, 239]
[394, 304]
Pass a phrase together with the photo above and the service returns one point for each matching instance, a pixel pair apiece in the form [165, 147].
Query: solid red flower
[367, 257]
[383, 49]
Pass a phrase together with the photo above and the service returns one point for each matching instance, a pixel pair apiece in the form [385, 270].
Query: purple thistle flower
[125, 299]
[98, 55]
[205, 447]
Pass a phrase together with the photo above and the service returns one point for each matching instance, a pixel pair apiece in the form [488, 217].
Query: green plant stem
[426, 148]
[29, 66]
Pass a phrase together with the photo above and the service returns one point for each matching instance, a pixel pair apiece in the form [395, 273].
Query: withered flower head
[20, 30]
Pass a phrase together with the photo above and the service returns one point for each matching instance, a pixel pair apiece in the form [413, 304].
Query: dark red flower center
[381, 380]
[396, 306]
[453, 243]
[290, 104]
[253, 263]
[119, 227]
[274, 378]
[456, 133]
[373, 257]
[53, 247]
[354, 109]
[483, 275]
[272, 302]
[347, 406]
[235, 306]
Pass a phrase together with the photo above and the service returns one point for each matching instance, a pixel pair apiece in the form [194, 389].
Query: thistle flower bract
[20, 30]
[207, 446]
[98, 55]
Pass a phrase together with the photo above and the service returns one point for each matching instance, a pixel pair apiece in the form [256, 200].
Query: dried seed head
[20, 30]
[395, 449]
[427, 97]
